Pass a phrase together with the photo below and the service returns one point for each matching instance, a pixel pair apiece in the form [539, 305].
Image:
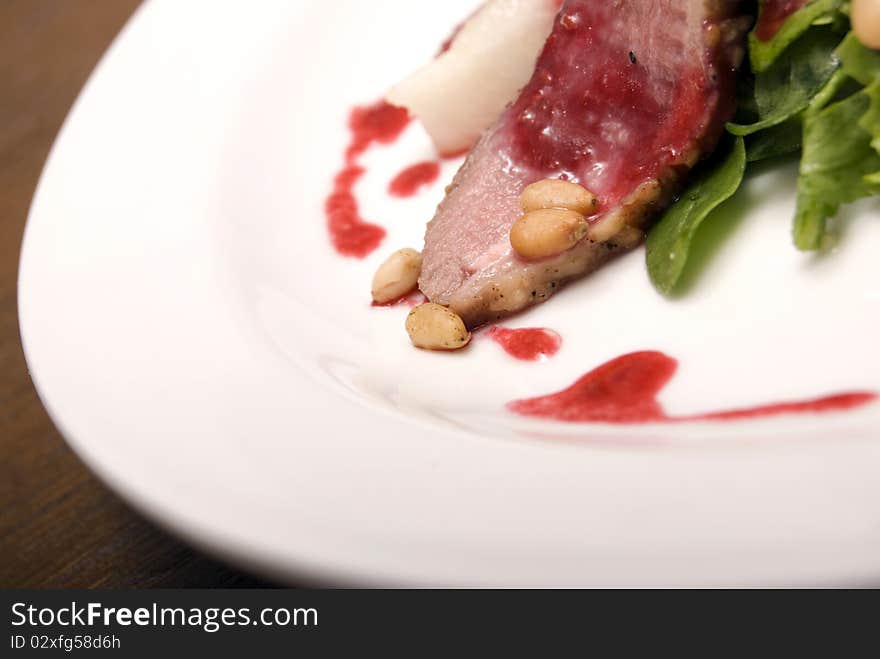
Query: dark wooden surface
[59, 527]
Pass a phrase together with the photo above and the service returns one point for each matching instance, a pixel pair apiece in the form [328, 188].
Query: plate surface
[206, 352]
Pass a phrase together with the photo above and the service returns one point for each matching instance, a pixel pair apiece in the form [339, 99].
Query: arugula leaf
[780, 140]
[763, 53]
[839, 164]
[670, 240]
[859, 62]
[863, 64]
[838, 82]
[786, 138]
[871, 124]
[788, 86]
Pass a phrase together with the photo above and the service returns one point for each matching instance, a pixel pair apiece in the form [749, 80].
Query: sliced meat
[625, 98]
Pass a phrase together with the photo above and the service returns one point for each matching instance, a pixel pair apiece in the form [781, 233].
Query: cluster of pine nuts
[554, 218]
[430, 326]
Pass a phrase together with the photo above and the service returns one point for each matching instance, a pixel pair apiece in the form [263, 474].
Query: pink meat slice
[627, 95]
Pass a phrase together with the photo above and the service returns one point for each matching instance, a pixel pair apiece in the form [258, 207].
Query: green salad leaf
[787, 87]
[814, 89]
[838, 162]
[863, 64]
[860, 63]
[818, 12]
[781, 140]
[669, 242]
[786, 138]
[838, 82]
[871, 124]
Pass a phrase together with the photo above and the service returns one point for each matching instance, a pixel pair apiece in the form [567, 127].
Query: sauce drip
[351, 234]
[447, 42]
[454, 155]
[625, 391]
[412, 179]
[411, 300]
[529, 344]
[773, 15]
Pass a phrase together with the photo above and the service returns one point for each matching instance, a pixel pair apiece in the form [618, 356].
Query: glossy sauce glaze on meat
[625, 99]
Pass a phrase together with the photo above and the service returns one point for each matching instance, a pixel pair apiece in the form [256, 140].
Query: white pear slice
[461, 93]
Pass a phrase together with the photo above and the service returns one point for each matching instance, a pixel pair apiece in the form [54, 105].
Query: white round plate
[206, 352]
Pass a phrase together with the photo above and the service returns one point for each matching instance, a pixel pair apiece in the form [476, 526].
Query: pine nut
[434, 327]
[865, 16]
[547, 232]
[554, 193]
[397, 276]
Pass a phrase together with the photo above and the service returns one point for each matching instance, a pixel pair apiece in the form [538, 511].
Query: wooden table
[59, 527]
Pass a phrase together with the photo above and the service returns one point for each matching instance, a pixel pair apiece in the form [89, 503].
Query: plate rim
[207, 539]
